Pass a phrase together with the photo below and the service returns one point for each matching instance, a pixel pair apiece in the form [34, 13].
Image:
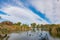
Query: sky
[30, 11]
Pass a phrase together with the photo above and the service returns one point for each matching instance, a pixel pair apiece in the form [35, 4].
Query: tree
[33, 25]
[38, 26]
[25, 26]
[19, 23]
[7, 22]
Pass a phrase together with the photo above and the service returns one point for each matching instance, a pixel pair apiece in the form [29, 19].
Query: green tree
[19, 23]
[25, 26]
[38, 26]
[33, 25]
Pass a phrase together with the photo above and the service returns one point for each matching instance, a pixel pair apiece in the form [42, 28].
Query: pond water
[30, 35]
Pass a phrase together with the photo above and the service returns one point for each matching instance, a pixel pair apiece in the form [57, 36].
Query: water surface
[31, 35]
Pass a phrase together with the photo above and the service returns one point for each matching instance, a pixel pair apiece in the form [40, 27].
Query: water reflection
[30, 35]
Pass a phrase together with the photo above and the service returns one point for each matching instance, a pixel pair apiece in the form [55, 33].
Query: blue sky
[28, 11]
[3, 13]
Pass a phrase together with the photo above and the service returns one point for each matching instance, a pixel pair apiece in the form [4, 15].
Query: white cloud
[46, 7]
[22, 15]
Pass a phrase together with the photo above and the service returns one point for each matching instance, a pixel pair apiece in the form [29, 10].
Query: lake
[31, 35]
